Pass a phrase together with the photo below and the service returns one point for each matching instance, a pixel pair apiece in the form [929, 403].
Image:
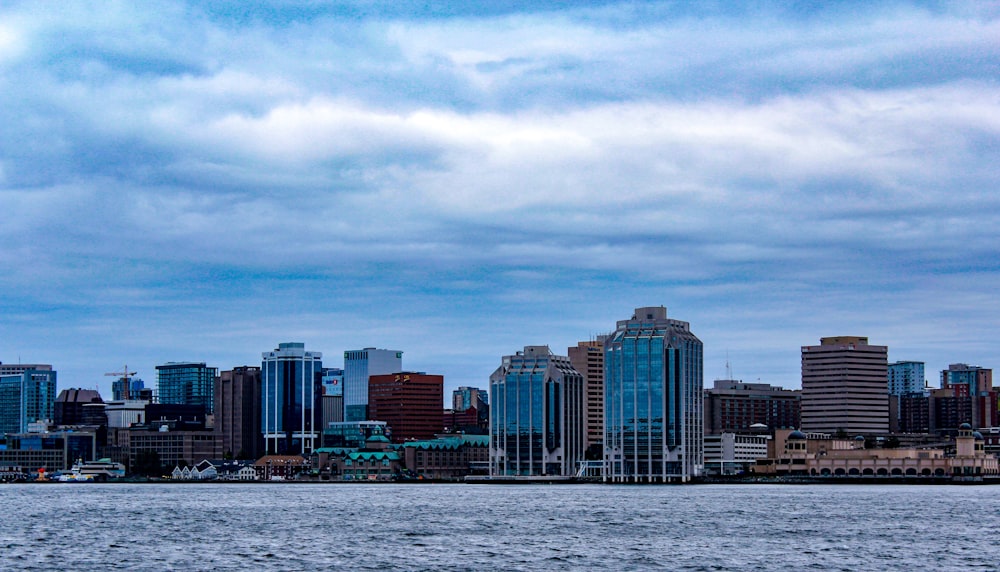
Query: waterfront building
[280, 467]
[53, 451]
[732, 406]
[588, 359]
[238, 412]
[844, 387]
[186, 383]
[409, 402]
[733, 453]
[654, 426]
[794, 453]
[359, 365]
[291, 378]
[159, 444]
[27, 396]
[376, 460]
[536, 415]
[448, 457]
[70, 408]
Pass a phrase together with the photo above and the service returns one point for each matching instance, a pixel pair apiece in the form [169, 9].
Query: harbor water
[284, 526]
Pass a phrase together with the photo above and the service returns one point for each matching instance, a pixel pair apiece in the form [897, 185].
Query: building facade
[359, 365]
[238, 412]
[732, 406]
[125, 388]
[536, 415]
[70, 408]
[409, 402]
[292, 399]
[27, 395]
[844, 387]
[588, 359]
[186, 383]
[906, 378]
[654, 426]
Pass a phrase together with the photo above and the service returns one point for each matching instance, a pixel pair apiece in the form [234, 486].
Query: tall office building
[186, 383]
[238, 412]
[27, 395]
[79, 407]
[292, 399]
[653, 400]
[465, 398]
[908, 397]
[409, 402]
[359, 365]
[844, 387]
[732, 406]
[588, 359]
[536, 415]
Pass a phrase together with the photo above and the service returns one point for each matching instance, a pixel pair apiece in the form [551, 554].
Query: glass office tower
[537, 425]
[184, 383]
[292, 399]
[654, 429]
[359, 365]
[26, 397]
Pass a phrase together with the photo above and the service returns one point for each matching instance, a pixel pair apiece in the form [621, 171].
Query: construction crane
[125, 375]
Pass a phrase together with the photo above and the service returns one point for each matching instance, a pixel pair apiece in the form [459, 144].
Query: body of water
[284, 526]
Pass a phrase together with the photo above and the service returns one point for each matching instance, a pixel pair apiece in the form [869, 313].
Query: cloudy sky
[201, 183]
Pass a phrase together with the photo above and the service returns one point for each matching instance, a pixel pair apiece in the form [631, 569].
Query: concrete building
[733, 453]
[238, 412]
[906, 378]
[536, 415]
[465, 398]
[409, 402]
[844, 387]
[359, 365]
[186, 383]
[292, 399]
[732, 406]
[588, 359]
[653, 400]
[27, 396]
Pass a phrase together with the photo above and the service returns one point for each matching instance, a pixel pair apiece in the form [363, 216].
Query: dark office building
[409, 402]
[69, 408]
[238, 412]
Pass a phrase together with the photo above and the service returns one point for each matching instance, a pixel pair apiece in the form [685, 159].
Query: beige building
[588, 359]
[795, 453]
[845, 387]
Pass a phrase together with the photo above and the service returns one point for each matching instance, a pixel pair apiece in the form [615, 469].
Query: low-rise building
[733, 453]
[448, 457]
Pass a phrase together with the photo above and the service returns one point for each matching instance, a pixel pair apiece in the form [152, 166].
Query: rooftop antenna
[729, 368]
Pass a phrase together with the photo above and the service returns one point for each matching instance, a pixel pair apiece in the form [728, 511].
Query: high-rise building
[409, 402]
[27, 395]
[653, 400]
[359, 365]
[967, 379]
[966, 396]
[906, 378]
[292, 392]
[536, 415]
[465, 398]
[238, 412]
[588, 359]
[186, 383]
[844, 387]
[126, 388]
[333, 395]
[732, 406]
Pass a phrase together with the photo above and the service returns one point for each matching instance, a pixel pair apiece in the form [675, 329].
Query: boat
[90, 471]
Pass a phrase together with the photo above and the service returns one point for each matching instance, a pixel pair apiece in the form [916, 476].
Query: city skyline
[193, 183]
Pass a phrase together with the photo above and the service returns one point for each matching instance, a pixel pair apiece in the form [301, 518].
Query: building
[448, 457]
[733, 453]
[353, 434]
[27, 396]
[793, 453]
[653, 400]
[333, 395]
[465, 398]
[238, 412]
[906, 378]
[588, 359]
[359, 365]
[19, 368]
[732, 406]
[125, 388]
[409, 402]
[156, 449]
[966, 396]
[292, 399]
[907, 397]
[966, 379]
[536, 415]
[186, 383]
[844, 387]
[70, 408]
[54, 451]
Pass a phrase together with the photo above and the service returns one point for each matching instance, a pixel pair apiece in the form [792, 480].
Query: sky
[184, 182]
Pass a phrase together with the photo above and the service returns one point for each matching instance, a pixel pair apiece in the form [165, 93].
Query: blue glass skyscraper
[359, 365]
[654, 429]
[537, 425]
[26, 397]
[292, 399]
[185, 383]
